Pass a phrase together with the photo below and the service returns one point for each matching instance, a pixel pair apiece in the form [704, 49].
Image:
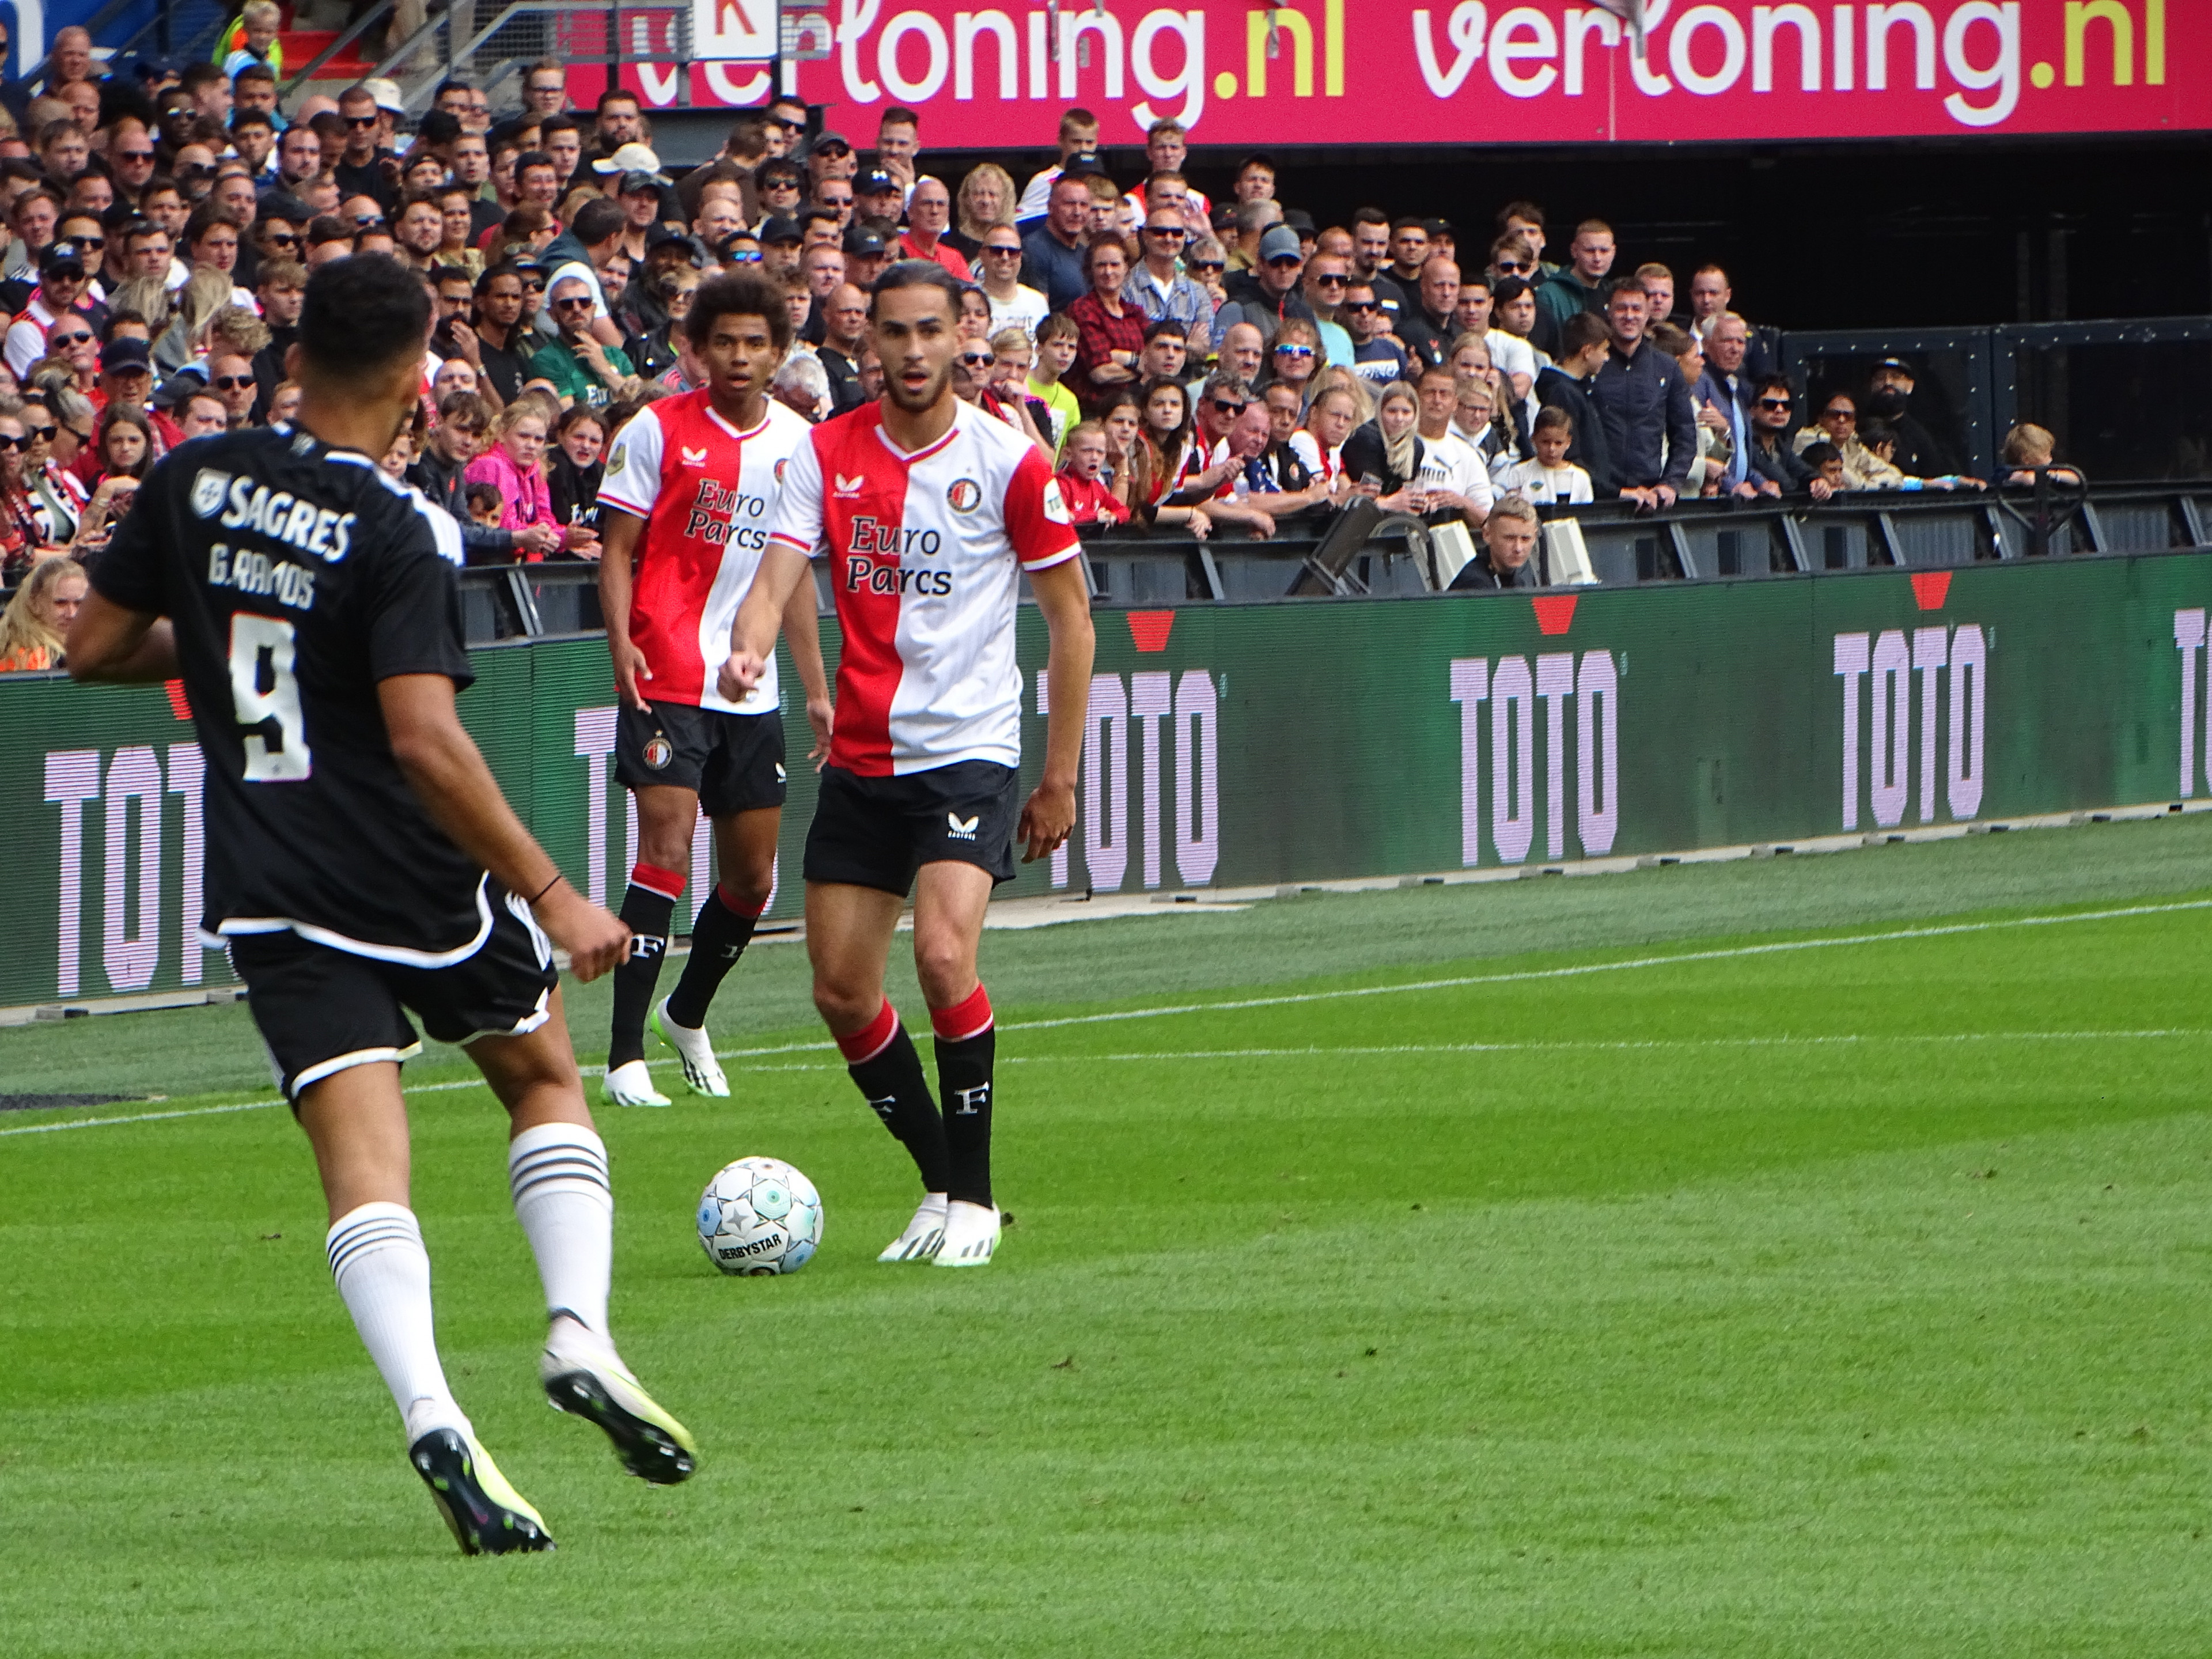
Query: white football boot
[630, 1085]
[923, 1234]
[971, 1233]
[696, 1050]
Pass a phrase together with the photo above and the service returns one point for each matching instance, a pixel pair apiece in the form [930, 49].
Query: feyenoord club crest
[659, 751]
[208, 491]
[964, 494]
[780, 465]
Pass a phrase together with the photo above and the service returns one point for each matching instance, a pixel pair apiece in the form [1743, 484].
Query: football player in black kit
[361, 861]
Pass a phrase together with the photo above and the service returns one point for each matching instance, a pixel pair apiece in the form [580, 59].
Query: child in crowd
[1551, 479]
[397, 458]
[484, 504]
[1056, 338]
[1827, 464]
[1090, 500]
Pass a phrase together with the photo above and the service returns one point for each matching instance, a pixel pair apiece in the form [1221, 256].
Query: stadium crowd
[1204, 367]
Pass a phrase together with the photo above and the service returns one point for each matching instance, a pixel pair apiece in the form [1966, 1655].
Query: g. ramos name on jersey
[241, 503]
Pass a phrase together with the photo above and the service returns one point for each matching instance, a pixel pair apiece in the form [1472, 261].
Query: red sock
[864, 1044]
[964, 1020]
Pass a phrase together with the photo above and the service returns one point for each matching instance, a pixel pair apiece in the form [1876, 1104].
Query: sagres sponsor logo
[208, 490]
[1176, 782]
[964, 494]
[1914, 721]
[847, 488]
[1579, 730]
[959, 828]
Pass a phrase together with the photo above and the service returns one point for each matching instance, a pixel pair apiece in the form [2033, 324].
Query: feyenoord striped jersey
[925, 551]
[707, 493]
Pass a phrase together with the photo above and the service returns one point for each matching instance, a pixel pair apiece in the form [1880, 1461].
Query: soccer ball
[759, 1215]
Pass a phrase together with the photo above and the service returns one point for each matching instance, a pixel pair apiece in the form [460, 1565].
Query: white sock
[384, 1273]
[559, 1175]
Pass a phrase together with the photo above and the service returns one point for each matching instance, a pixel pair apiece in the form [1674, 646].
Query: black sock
[719, 938]
[964, 1082]
[892, 1083]
[646, 911]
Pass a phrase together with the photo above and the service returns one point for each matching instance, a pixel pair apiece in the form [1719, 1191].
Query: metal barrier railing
[1693, 542]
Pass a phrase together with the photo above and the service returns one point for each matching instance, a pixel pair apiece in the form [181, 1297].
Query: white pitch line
[1293, 999]
[1596, 1047]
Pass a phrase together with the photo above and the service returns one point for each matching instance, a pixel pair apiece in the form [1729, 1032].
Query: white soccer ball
[759, 1215]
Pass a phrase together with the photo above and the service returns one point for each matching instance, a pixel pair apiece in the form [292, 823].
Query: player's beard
[919, 403]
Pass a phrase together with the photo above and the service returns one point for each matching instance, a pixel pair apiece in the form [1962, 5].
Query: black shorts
[877, 832]
[321, 1010]
[732, 762]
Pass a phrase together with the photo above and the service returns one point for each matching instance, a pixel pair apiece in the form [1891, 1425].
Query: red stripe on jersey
[864, 484]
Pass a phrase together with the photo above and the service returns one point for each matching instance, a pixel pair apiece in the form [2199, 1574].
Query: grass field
[1805, 1257]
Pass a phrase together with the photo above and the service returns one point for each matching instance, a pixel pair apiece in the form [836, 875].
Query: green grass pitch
[1838, 1300]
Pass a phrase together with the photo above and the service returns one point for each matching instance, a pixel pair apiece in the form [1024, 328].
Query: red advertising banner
[1462, 71]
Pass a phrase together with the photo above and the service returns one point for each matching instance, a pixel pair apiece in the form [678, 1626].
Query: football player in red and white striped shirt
[687, 502]
[930, 512]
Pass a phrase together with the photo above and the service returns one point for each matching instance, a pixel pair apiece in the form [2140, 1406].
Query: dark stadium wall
[1237, 745]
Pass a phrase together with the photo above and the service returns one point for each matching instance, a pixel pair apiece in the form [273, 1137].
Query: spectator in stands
[1089, 498]
[1171, 439]
[2029, 448]
[1551, 479]
[1658, 283]
[124, 446]
[514, 465]
[1329, 420]
[1513, 316]
[1826, 462]
[1053, 253]
[1585, 345]
[1384, 457]
[1293, 360]
[1714, 441]
[37, 619]
[61, 284]
[985, 203]
[929, 215]
[1710, 298]
[460, 436]
[1889, 396]
[1376, 356]
[1427, 326]
[1779, 470]
[573, 480]
[1398, 282]
[1509, 546]
[975, 315]
[1056, 341]
[1724, 398]
[578, 365]
[1580, 287]
[1208, 266]
[1838, 426]
[230, 377]
[1452, 477]
[1328, 279]
[496, 344]
[1078, 137]
[1111, 335]
[844, 326]
[1159, 287]
[1640, 396]
[1478, 422]
[1013, 304]
[1524, 220]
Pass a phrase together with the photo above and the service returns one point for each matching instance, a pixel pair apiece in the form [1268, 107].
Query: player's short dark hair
[914, 273]
[737, 293]
[362, 314]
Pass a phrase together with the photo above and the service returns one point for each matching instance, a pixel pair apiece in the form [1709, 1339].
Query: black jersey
[298, 576]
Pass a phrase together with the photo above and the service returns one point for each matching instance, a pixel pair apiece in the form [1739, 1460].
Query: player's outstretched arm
[753, 636]
[616, 579]
[455, 786]
[1065, 599]
[109, 643]
[802, 628]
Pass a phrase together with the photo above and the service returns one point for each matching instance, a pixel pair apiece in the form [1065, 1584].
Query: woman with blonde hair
[205, 293]
[986, 201]
[1384, 457]
[32, 628]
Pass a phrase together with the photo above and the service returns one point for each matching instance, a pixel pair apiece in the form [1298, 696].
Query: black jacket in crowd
[1590, 449]
[1644, 403]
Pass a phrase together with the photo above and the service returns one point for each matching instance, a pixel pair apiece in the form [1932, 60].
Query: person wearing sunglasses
[1267, 295]
[579, 364]
[1158, 286]
[1777, 470]
[1376, 356]
[998, 265]
[54, 302]
[363, 167]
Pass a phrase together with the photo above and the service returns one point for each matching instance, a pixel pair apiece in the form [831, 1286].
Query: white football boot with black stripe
[631, 1085]
[923, 1234]
[696, 1050]
[971, 1234]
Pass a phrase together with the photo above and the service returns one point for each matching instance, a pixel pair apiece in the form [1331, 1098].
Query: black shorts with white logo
[732, 762]
[321, 1010]
[877, 832]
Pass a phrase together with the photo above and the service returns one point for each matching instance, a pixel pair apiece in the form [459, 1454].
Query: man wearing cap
[640, 197]
[1052, 253]
[1158, 285]
[877, 198]
[1267, 294]
[126, 373]
[633, 170]
[579, 251]
[778, 247]
[62, 283]
[929, 214]
[867, 255]
[829, 156]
